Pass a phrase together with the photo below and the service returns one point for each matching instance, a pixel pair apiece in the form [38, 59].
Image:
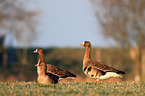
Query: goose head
[86, 44]
[38, 50]
[41, 56]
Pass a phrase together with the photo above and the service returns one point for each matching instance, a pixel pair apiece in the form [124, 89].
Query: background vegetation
[66, 58]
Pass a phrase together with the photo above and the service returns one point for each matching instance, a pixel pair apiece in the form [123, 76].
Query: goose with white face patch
[95, 69]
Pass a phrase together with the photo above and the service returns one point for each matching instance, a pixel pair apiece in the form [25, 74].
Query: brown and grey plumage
[43, 77]
[53, 69]
[95, 69]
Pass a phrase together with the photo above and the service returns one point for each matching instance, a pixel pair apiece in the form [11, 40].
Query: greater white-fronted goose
[95, 69]
[53, 69]
[43, 77]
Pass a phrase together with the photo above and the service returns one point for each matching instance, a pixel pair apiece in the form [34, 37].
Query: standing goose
[53, 69]
[43, 77]
[95, 69]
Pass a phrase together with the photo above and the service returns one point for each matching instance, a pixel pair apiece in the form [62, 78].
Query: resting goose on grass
[53, 69]
[43, 77]
[95, 69]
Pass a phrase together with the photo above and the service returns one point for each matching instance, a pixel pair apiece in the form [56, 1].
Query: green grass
[73, 88]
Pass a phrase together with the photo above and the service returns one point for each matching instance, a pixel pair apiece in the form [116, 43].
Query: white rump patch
[109, 75]
[71, 77]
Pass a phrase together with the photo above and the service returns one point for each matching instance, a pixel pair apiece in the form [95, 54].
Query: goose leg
[97, 81]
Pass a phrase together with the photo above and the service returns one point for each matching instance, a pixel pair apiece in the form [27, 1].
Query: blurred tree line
[18, 21]
[124, 21]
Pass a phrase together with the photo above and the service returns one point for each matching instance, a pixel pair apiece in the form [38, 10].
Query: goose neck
[87, 54]
[41, 70]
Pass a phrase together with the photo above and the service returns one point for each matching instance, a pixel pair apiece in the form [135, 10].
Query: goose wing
[105, 68]
[53, 78]
[59, 72]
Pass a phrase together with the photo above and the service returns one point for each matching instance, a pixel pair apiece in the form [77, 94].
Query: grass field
[73, 88]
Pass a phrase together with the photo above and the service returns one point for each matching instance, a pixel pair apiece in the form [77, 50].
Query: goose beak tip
[81, 44]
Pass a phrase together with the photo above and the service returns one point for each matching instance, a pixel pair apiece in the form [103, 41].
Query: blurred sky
[65, 23]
